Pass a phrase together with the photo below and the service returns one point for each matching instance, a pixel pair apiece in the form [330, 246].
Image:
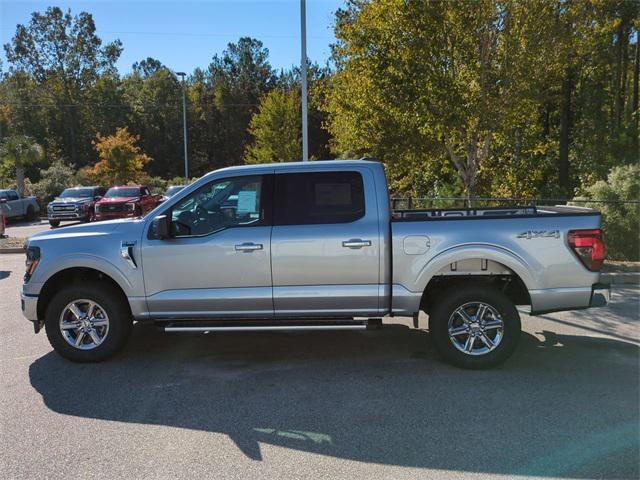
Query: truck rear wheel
[31, 214]
[87, 323]
[475, 326]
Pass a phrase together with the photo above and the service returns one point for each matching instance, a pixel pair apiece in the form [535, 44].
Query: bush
[53, 180]
[620, 221]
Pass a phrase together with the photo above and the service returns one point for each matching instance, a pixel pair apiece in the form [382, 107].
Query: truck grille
[112, 207]
[64, 208]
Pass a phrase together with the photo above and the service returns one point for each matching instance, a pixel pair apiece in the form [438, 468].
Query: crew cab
[76, 203]
[314, 246]
[126, 201]
[18, 206]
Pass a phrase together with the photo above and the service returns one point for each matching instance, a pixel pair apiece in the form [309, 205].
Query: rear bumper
[561, 299]
[600, 295]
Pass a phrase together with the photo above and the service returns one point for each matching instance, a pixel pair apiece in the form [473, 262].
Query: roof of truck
[288, 165]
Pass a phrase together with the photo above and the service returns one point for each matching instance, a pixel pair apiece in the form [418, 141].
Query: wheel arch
[73, 275]
[485, 265]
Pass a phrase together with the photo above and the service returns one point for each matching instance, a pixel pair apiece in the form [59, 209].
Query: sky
[185, 34]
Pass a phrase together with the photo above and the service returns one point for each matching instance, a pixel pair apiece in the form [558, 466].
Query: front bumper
[114, 215]
[29, 305]
[67, 216]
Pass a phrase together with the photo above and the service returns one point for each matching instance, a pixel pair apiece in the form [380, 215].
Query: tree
[276, 129]
[421, 80]
[17, 152]
[64, 55]
[121, 160]
[53, 180]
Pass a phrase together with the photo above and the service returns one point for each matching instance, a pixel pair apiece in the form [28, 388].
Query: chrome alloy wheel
[84, 324]
[475, 328]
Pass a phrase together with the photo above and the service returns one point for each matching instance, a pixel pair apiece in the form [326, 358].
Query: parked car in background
[76, 203]
[3, 219]
[171, 191]
[126, 201]
[18, 206]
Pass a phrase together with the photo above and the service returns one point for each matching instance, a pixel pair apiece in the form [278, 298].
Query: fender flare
[93, 262]
[470, 251]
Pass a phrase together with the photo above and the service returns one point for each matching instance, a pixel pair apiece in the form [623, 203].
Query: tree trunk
[20, 179]
[565, 132]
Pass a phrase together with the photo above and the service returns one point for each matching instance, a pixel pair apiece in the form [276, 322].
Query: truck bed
[522, 211]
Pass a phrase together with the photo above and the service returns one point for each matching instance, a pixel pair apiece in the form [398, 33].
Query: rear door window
[318, 198]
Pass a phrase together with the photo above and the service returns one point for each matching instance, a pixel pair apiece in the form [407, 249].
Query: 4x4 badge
[529, 234]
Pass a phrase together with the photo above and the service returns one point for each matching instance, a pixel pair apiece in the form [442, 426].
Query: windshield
[123, 192]
[77, 193]
[171, 191]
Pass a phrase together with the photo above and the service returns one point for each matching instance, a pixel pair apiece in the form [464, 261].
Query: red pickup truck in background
[126, 201]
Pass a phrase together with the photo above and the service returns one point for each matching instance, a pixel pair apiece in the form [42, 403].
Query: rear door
[325, 243]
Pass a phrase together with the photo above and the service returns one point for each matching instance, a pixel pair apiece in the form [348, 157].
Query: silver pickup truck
[15, 206]
[311, 246]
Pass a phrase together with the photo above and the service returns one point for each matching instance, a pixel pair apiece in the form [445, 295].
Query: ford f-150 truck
[311, 245]
[76, 203]
[126, 201]
[17, 206]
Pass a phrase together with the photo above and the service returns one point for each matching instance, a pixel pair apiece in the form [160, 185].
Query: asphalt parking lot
[365, 405]
[24, 229]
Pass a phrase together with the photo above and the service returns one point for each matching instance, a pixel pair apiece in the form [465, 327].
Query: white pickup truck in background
[16, 206]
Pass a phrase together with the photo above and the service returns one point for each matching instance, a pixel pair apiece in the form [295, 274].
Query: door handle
[248, 247]
[356, 243]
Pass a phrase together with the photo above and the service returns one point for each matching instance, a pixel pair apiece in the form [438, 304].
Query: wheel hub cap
[476, 328]
[84, 324]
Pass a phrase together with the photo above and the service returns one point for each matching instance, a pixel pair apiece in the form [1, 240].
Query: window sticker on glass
[247, 201]
[333, 193]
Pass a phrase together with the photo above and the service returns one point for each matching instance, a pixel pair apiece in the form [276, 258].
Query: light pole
[303, 73]
[184, 126]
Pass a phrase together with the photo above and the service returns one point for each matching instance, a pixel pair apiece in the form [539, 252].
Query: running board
[270, 325]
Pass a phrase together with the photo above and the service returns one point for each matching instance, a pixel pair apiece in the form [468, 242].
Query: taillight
[588, 247]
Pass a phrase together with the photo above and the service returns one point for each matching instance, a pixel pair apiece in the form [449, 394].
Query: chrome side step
[270, 325]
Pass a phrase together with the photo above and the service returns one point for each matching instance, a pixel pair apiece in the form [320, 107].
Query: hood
[87, 230]
[72, 200]
[118, 200]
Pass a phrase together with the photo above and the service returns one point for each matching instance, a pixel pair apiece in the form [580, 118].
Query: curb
[12, 250]
[627, 278]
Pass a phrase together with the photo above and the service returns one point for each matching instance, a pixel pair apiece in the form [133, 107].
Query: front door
[325, 244]
[217, 261]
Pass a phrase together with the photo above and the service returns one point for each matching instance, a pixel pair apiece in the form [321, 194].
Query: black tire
[110, 300]
[31, 214]
[54, 223]
[456, 297]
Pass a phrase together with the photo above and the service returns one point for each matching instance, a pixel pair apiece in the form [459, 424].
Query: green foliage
[53, 181]
[17, 152]
[276, 129]
[621, 221]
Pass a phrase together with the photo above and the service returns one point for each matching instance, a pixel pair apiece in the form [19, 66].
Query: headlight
[130, 206]
[33, 257]
[49, 208]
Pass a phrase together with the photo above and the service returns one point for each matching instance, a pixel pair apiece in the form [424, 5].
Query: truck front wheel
[87, 322]
[475, 326]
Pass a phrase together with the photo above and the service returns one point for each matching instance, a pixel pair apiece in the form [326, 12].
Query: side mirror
[160, 227]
